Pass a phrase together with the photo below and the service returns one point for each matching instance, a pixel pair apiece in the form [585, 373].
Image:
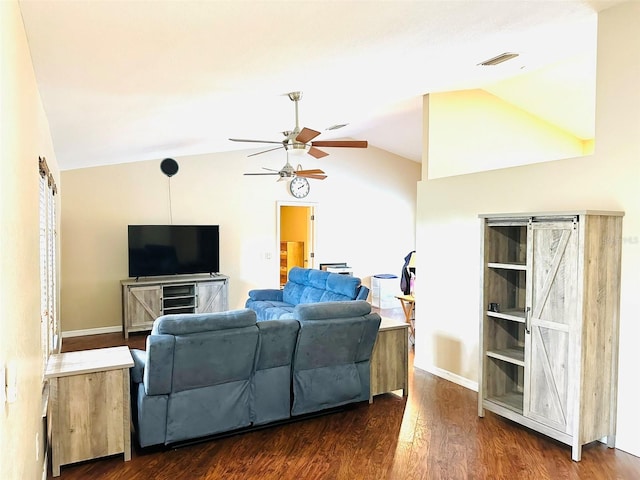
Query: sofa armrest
[363, 293]
[270, 294]
[139, 362]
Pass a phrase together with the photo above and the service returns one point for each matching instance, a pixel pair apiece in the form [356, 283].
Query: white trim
[91, 331]
[452, 377]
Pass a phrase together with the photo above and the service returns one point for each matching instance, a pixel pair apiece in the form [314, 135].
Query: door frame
[311, 234]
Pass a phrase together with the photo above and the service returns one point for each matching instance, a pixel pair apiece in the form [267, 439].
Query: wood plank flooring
[435, 433]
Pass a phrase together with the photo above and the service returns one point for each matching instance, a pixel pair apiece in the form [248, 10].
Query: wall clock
[299, 187]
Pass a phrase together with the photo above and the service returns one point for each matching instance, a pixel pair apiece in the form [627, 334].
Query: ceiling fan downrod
[295, 97]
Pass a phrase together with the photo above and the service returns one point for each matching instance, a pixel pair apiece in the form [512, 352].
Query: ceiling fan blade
[253, 141]
[265, 151]
[274, 173]
[313, 173]
[306, 135]
[310, 175]
[341, 143]
[317, 153]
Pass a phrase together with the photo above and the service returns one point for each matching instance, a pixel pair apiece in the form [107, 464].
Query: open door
[296, 236]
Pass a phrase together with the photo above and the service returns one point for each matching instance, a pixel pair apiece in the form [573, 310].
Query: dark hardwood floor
[434, 433]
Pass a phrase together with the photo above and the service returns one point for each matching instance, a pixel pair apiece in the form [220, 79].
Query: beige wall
[365, 215]
[448, 230]
[24, 135]
[496, 135]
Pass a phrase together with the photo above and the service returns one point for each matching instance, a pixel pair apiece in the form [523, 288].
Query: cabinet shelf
[513, 355]
[512, 401]
[513, 314]
[180, 309]
[508, 266]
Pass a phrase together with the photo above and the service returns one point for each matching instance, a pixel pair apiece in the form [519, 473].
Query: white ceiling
[124, 81]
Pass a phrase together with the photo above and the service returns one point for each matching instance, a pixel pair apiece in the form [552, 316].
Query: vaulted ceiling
[125, 81]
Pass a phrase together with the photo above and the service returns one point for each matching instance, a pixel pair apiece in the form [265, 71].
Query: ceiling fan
[289, 172]
[297, 139]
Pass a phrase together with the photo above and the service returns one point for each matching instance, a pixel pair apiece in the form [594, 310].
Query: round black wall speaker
[169, 167]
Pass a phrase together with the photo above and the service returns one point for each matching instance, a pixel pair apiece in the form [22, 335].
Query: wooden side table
[89, 405]
[408, 303]
[390, 359]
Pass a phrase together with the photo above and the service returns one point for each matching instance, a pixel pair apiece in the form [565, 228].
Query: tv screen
[173, 249]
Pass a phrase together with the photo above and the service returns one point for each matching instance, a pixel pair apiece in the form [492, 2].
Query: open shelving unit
[179, 298]
[506, 265]
[547, 350]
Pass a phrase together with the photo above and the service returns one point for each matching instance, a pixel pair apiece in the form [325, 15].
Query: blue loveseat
[304, 285]
[205, 374]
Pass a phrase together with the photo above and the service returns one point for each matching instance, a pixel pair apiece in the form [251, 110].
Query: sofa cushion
[271, 310]
[305, 286]
[311, 286]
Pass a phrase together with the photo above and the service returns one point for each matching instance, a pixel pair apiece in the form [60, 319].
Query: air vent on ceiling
[503, 57]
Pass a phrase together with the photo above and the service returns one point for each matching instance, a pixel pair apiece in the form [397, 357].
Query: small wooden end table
[89, 405]
[390, 359]
[408, 303]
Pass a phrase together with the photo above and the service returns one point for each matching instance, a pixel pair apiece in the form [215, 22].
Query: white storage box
[384, 288]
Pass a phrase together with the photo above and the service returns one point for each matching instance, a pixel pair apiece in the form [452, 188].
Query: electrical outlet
[267, 255]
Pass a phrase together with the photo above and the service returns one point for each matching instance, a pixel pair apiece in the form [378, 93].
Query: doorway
[296, 231]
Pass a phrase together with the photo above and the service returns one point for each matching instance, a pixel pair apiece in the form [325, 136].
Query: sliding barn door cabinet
[549, 322]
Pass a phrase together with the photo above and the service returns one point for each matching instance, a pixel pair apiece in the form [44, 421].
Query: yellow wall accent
[474, 131]
[293, 224]
[294, 227]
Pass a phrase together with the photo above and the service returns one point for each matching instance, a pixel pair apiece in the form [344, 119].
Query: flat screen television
[173, 250]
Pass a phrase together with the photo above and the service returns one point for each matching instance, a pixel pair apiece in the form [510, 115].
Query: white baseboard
[91, 331]
[452, 377]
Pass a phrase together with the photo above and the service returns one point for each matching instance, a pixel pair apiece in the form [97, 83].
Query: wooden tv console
[145, 299]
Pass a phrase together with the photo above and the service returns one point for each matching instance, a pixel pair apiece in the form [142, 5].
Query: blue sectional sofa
[205, 374]
[304, 285]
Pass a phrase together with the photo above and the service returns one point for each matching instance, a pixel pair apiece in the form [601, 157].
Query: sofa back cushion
[191, 351]
[331, 360]
[307, 285]
[213, 358]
